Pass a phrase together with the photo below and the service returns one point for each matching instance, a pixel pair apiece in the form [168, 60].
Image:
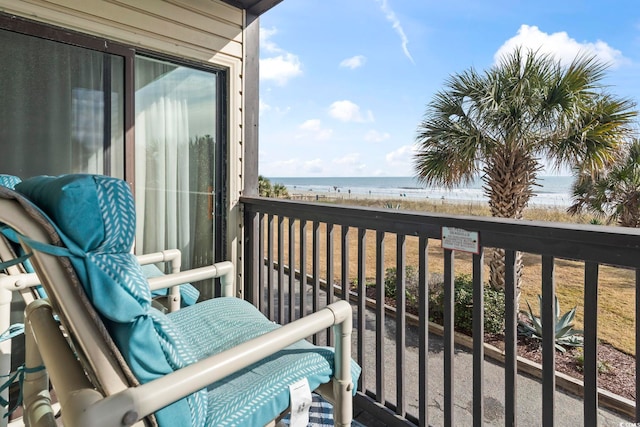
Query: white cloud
[349, 165]
[347, 111]
[563, 47]
[311, 125]
[313, 128]
[264, 107]
[375, 136]
[281, 67]
[265, 40]
[292, 167]
[395, 24]
[354, 62]
[402, 157]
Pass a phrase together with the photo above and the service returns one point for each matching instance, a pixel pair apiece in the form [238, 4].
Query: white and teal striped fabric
[9, 181]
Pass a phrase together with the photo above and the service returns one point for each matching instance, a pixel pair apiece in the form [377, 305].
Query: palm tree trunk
[508, 183]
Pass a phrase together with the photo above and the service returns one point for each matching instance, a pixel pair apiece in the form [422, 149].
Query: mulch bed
[617, 372]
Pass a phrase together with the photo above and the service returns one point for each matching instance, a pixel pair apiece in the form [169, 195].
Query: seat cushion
[258, 394]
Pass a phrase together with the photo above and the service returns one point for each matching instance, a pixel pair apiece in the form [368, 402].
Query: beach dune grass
[616, 317]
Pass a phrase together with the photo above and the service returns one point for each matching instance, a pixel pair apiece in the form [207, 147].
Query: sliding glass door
[176, 132]
[68, 105]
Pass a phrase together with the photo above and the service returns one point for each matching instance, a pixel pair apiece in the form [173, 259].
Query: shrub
[411, 283]
[463, 299]
[463, 307]
[565, 335]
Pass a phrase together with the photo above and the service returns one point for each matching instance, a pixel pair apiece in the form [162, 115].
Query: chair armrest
[15, 282]
[135, 403]
[174, 256]
[224, 270]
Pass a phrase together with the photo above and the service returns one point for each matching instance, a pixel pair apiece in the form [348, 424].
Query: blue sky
[344, 83]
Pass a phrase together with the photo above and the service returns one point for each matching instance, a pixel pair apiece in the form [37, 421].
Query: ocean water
[553, 190]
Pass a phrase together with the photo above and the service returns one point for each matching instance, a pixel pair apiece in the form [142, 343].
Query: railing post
[361, 303]
[315, 272]
[303, 268]
[590, 367]
[292, 269]
[510, 338]
[251, 255]
[270, 299]
[260, 266]
[329, 276]
[448, 308]
[345, 262]
[548, 317]
[478, 338]
[423, 293]
[380, 317]
[401, 301]
[280, 269]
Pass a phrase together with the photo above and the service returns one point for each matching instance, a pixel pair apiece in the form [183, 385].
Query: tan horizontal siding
[196, 29]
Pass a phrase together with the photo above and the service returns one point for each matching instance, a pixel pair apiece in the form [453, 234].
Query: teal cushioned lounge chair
[219, 362]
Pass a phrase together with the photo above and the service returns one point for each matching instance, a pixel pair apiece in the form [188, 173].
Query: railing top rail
[598, 243]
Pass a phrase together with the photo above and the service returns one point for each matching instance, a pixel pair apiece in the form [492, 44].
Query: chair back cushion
[95, 216]
[10, 181]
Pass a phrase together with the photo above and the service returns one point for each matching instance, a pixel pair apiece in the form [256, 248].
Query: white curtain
[162, 162]
[52, 108]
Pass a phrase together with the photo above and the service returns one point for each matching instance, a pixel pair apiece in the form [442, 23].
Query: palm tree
[264, 186]
[280, 191]
[500, 124]
[613, 193]
[265, 189]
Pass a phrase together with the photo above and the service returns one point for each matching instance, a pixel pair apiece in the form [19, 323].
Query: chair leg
[342, 385]
[36, 404]
[5, 346]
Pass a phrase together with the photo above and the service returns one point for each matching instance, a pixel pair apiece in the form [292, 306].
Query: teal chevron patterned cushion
[70, 201]
[9, 181]
[258, 394]
[95, 216]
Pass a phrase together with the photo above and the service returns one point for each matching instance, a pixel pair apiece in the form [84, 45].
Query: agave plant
[565, 334]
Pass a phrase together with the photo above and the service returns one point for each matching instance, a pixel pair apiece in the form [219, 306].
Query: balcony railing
[300, 256]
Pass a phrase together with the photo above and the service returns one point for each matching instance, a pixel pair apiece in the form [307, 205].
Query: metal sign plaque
[458, 239]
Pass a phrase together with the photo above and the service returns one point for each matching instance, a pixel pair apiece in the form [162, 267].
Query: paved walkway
[569, 411]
